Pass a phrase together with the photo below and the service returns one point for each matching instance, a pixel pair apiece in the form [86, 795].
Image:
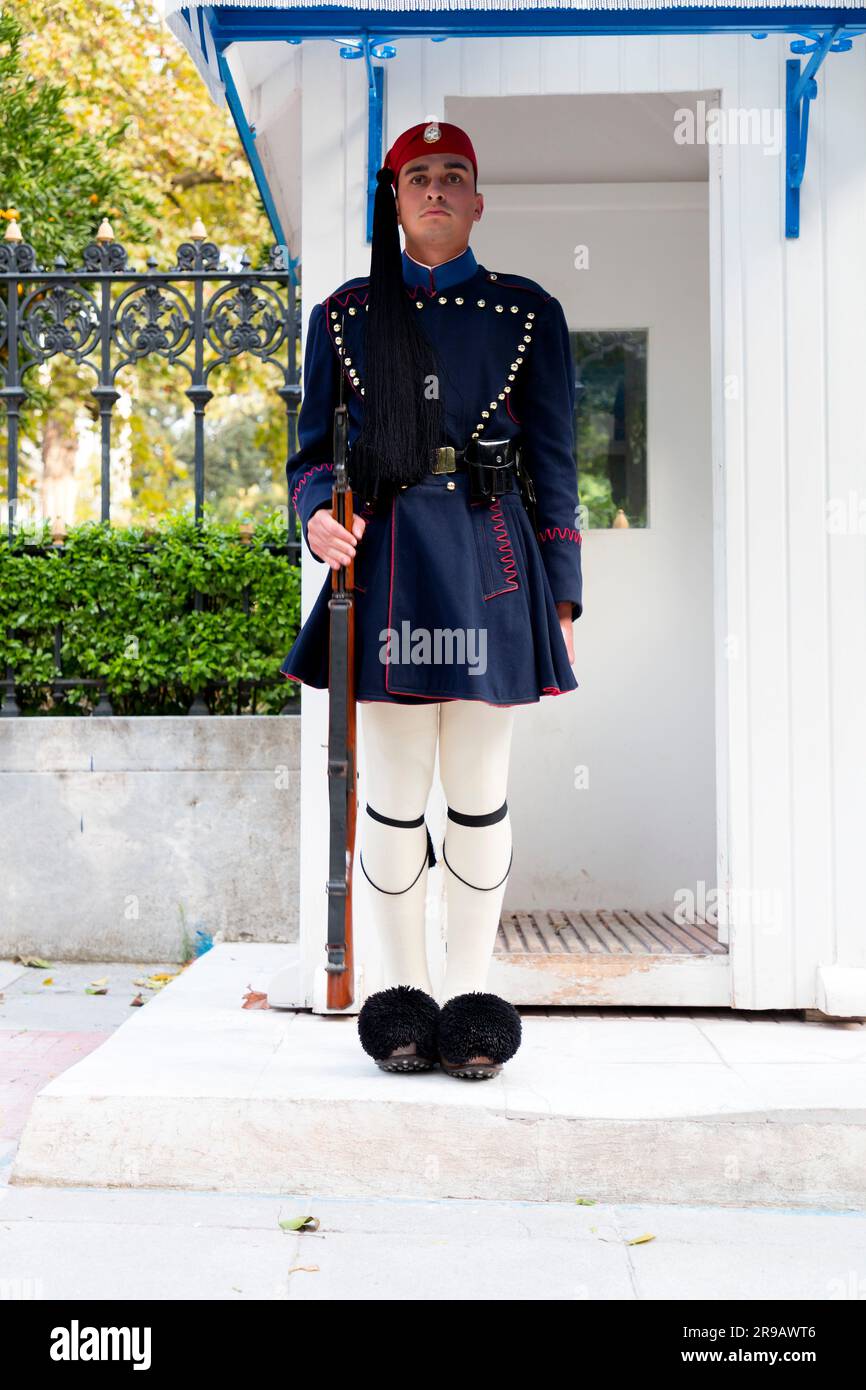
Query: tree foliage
[130, 94]
[103, 114]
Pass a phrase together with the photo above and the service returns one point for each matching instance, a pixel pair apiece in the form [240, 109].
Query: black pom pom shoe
[397, 1028]
[477, 1034]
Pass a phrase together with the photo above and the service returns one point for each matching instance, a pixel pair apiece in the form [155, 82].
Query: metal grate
[619, 932]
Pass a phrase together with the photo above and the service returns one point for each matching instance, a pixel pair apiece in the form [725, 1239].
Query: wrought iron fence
[103, 315]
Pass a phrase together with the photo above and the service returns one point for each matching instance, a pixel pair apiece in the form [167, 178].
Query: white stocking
[399, 758]
[474, 750]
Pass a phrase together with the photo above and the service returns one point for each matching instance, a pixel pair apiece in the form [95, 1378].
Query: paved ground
[95, 1243]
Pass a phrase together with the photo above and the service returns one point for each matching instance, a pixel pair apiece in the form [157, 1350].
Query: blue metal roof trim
[285, 19]
[194, 26]
[364, 30]
[247, 136]
[452, 8]
[190, 25]
[249, 22]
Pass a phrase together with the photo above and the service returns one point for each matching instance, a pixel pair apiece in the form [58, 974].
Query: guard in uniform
[459, 384]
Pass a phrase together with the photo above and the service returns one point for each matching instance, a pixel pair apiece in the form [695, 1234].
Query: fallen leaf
[611, 1234]
[156, 981]
[586, 1201]
[91, 990]
[103, 981]
[300, 1223]
[34, 961]
[136, 1001]
[254, 1000]
[48, 981]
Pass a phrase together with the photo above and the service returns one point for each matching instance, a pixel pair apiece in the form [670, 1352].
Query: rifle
[342, 792]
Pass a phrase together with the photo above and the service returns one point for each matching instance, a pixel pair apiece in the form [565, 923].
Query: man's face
[437, 204]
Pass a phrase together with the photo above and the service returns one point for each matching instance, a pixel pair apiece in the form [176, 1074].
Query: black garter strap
[390, 820]
[478, 886]
[429, 857]
[489, 818]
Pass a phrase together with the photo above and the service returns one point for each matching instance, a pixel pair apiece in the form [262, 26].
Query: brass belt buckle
[445, 461]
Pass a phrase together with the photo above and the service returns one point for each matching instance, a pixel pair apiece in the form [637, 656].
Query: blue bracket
[375, 121]
[801, 90]
[363, 48]
[368, 49]
[381, 48]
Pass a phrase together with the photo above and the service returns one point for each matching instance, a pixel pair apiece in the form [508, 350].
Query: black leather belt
[493, 466]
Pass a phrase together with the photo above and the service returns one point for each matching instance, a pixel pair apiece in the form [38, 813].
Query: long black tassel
[402, 425]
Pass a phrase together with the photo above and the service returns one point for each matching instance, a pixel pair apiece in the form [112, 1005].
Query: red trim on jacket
[315, 468]
[564, 533]
[506, 554]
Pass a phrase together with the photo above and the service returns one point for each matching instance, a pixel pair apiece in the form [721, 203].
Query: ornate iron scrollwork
[105, 316]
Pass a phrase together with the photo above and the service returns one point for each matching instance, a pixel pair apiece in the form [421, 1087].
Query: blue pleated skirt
[452, 602]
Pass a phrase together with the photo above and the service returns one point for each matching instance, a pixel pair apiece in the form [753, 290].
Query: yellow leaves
[612, 1236]
[33, 961]
[156, 981]
[124, 65]
[610, 1233]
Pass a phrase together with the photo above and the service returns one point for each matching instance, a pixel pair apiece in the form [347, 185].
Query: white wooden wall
[788, 353]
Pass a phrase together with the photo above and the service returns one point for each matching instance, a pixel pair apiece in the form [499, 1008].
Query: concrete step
[195, 1092]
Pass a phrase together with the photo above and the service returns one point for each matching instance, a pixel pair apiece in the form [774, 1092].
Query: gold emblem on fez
[432, 132]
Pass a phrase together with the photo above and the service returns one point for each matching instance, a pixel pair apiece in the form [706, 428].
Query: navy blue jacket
[503, 345]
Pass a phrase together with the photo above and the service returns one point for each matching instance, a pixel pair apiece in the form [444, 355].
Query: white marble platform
[195, 1092]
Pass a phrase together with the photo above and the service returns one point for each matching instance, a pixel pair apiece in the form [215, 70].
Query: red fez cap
[431, 137]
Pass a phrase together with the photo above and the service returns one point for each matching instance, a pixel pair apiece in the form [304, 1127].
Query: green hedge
[124, 597]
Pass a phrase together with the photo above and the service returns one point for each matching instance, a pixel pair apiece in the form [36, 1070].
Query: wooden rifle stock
[342, 774]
